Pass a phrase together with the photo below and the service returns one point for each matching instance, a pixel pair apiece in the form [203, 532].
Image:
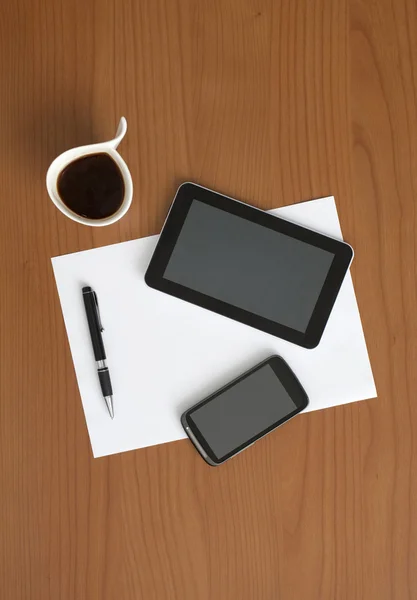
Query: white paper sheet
[165, 354]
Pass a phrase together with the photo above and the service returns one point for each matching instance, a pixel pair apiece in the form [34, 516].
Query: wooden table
[270, 102]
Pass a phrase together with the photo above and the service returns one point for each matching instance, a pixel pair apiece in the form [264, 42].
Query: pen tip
[109, 402]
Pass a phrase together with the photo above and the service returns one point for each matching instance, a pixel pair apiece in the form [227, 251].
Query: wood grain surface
[270, 102]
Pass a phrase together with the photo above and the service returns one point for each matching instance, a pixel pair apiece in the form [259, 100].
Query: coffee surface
[92, 186]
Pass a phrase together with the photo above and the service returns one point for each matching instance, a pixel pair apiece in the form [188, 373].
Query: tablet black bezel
[186, 194]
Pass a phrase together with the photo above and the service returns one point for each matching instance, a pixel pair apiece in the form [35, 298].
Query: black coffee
[92, 186]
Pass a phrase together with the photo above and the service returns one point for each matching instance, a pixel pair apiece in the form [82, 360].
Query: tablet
[243, 263]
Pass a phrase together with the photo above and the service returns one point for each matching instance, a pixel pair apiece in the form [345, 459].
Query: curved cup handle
[120, 134]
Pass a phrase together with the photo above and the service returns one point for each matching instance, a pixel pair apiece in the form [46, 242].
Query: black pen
[95, 327]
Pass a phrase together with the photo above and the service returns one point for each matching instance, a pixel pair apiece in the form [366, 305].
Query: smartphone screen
[245, 410]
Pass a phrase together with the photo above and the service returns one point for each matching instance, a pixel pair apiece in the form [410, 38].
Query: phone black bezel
[288, 379]
[186, 194]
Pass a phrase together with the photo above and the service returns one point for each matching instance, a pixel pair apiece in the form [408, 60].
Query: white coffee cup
[69, 156]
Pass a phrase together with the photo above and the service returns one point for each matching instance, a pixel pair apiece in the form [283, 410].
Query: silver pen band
[101, 364]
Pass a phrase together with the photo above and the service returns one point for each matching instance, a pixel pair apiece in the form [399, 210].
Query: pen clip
[100, 324]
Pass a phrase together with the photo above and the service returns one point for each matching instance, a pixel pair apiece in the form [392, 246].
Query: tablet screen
[249, 266]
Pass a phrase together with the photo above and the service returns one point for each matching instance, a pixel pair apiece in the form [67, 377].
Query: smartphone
[244, 410]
